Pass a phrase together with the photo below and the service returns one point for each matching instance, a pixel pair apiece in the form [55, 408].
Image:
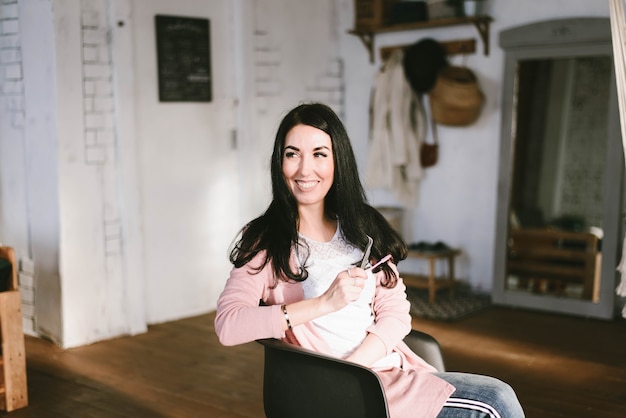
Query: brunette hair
[276, 231]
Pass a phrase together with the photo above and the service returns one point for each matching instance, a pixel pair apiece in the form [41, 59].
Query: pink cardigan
[411, 391]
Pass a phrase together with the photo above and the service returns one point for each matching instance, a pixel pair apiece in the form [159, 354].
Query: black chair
[300, 383]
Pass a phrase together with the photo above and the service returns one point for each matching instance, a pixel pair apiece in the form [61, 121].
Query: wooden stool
[13, 389]
[432, 282]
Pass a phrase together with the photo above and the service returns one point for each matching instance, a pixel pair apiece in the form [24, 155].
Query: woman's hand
[346, 288]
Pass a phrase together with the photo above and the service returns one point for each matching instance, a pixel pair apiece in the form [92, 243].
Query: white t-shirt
[343, 330]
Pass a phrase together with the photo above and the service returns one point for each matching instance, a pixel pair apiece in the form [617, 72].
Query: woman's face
[308, 164]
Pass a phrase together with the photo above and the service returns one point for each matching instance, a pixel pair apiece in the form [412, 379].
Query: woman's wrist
[304, 311]
[286, 316]
[324, 305]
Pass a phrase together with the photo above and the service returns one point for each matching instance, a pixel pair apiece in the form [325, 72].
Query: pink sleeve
[239, 318]
[391, 312]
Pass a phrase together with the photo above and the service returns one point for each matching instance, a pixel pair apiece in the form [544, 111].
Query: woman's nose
[305, 165]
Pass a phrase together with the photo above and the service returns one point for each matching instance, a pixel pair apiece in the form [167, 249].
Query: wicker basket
[456, 98]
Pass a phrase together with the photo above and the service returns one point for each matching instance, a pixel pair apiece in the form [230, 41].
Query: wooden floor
[560, 367]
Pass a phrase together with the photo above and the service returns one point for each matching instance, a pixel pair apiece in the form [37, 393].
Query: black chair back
[427, 347]
[300, 383]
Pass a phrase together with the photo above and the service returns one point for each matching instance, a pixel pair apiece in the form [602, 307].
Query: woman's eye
[320, 154]
[290, 154]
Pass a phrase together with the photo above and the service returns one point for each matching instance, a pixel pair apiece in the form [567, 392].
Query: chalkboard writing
[184, 59]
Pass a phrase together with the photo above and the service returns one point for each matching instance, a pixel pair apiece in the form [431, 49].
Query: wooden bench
[13, 388]
[432, 281]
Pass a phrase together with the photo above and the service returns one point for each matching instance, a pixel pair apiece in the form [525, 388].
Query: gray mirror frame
[546, 39]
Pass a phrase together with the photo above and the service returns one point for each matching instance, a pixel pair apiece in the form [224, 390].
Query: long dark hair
[276, 231]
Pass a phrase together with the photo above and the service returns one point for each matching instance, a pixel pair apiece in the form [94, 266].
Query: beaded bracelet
[284, 308]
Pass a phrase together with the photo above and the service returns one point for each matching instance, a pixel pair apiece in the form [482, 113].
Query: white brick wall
[267, 65]
[12, 105]
[328, 87]
[27, 292]
[97, 72]
[273, 61]
[11, 82]
[99, 116]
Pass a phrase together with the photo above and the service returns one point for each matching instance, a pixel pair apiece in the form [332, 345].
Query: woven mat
[464, 303]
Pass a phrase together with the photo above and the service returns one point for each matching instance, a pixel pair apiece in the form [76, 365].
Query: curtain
[618, 33]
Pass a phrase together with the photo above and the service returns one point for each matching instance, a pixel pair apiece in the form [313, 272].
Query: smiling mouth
[306, 184]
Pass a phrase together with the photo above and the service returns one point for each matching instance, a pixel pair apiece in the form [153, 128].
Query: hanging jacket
[397, 131]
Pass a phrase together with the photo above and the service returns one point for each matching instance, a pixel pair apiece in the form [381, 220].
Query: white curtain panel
[618, 32]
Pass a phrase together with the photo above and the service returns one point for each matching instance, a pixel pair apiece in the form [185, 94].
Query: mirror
[559, 200]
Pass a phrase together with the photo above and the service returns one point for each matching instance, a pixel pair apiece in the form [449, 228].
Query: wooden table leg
[431, 280]
[451, 274]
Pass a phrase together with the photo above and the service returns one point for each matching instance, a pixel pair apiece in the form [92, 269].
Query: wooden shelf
[421, 281]
[368, 33]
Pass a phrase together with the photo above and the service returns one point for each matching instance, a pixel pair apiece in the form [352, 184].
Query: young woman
[303, 259]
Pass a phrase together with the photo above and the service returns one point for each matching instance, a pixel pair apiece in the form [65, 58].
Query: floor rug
[465, 302]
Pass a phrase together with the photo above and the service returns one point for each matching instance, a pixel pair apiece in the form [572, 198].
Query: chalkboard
[184, 59]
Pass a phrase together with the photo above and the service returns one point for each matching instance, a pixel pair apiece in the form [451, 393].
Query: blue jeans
[478, 396]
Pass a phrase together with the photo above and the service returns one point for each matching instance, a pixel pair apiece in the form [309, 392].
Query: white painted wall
[87, 152]
[189, 197]
[13, 197]
[196, 191]
[81, 284]
[457, 200]
[291, 52]
[40, 164]
[84, 290]
[13, 212]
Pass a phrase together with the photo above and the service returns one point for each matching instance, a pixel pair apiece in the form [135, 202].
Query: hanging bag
[429, 153]
[456, 98]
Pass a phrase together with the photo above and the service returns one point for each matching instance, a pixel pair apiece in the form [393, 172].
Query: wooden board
[456, 47]
[13, 388]
[13, 364]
